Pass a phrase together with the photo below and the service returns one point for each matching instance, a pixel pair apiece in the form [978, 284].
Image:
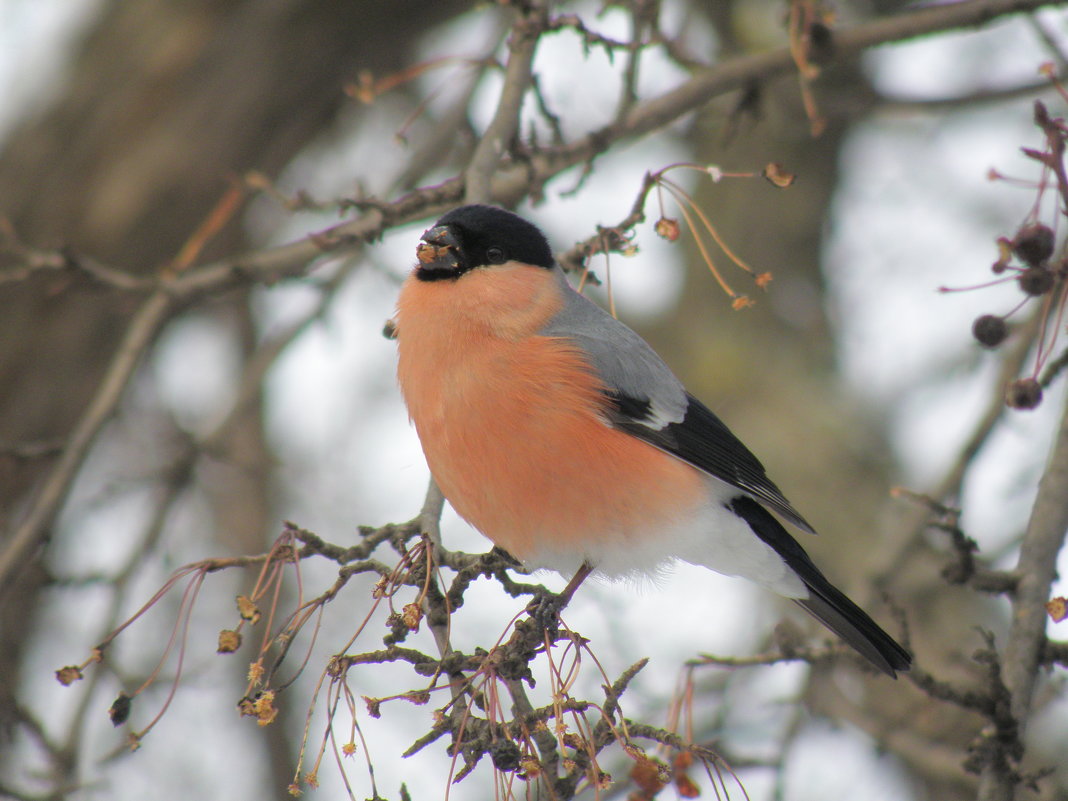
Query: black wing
[703, 440]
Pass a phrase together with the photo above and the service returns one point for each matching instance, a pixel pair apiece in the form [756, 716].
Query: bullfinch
[558, 432]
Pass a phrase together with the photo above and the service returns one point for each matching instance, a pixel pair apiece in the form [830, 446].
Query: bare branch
[1036, 568]
[498, 137]
[32, 530]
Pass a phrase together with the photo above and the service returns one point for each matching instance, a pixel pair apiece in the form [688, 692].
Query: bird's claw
[544, 611]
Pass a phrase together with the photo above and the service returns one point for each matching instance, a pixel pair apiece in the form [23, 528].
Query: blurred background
[124, 125]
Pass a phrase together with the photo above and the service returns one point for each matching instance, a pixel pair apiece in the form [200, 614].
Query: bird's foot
[545, 609]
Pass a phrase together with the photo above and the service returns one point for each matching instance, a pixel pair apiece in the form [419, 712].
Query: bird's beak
[439, 250]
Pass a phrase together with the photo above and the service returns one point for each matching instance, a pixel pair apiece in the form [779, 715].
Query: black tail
[826, 603]
[835, 611]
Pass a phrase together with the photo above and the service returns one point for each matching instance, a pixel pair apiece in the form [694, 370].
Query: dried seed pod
[229, 641]
[990, 330]
[667, 228]
[1033, 244]
[1024, 393]
[120, 710]
[1035, 281]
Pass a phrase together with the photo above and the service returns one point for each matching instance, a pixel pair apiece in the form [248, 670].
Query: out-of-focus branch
[499, 134]
[30, 260]
[743, 71]
[891, 104]
[514, 180]
[33, 528]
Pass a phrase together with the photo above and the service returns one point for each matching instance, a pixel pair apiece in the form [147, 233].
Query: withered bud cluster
[990, 330]
[1032, 249]
[1033, 246]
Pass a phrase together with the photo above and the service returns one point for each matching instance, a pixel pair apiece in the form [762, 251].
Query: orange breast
[511, 422]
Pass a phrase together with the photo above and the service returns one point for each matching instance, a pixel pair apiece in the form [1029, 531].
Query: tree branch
[498, 137]
[1036, 568]
[38, 520]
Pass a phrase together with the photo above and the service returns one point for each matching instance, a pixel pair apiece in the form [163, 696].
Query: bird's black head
[479, 236]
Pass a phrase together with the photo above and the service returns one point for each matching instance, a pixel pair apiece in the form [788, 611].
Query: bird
[557, 432]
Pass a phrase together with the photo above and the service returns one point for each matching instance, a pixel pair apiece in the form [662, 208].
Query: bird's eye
[495, 256]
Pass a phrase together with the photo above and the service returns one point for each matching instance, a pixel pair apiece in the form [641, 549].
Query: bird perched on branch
[558, 432]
